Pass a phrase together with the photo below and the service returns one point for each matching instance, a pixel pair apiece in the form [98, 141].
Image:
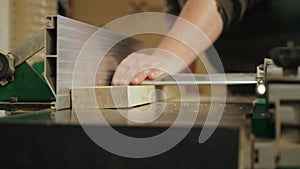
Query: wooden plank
[113, 96]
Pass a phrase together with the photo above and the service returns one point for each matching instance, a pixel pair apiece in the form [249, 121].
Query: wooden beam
[113, 96]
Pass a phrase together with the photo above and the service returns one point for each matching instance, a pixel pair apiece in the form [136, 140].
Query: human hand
[138, 66]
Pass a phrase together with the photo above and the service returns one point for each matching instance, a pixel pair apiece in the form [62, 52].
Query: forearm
[205, 16]
[208, 19]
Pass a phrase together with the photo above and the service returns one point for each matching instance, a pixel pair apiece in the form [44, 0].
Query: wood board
[113, 96]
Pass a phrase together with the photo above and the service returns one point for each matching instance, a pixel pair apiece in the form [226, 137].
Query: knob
[287, 57]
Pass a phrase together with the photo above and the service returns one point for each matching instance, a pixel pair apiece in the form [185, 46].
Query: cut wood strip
[113, 96]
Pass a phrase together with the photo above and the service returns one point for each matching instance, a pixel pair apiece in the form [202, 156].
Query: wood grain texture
[113, 96]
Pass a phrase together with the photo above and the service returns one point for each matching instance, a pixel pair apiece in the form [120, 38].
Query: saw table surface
[234, 113]
[47, 139]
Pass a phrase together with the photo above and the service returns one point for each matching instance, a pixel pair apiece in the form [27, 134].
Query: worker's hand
[138, 66]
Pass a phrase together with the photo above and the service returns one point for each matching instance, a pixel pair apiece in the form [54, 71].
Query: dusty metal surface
[62, 141]
[157, 114]
[162, 114]
[59, 134]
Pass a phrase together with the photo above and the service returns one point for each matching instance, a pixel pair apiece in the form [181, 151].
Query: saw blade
[205, 79]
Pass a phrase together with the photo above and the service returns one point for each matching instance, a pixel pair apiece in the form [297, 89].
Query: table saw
[41, 128]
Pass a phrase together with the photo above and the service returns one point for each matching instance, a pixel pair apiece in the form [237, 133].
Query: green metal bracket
[263, 125]
[29, 86]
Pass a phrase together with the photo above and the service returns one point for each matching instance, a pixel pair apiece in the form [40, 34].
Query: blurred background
[20, 19]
